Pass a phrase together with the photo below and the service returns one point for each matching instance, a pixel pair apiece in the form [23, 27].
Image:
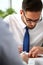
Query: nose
[32, 23]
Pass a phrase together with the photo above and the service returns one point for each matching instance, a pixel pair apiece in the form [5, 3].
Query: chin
[31, 27]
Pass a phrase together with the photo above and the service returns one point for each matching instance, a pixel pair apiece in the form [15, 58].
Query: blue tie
[26, 41]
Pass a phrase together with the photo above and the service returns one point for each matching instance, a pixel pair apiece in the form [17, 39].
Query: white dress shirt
[17, 26]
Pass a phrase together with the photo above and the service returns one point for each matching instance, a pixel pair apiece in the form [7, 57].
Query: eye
[28, 20]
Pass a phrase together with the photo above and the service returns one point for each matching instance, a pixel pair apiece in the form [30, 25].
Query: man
[8, 49]
[30, 16]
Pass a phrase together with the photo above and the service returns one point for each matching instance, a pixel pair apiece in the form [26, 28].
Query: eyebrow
[31, 19]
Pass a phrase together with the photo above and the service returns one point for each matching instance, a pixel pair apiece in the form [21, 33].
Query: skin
[35, 51]
[24, 57]
[20, 49]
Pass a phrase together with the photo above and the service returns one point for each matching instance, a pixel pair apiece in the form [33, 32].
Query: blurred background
[10, 6]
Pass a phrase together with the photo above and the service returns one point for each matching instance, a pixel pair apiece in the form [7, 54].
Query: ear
[21, 12]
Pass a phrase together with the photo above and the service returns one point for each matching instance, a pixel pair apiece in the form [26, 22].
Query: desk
[35, 61]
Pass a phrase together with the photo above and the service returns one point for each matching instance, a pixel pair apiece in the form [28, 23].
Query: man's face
[30, 18]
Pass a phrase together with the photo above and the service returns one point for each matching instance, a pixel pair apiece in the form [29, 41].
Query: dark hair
[32, 5]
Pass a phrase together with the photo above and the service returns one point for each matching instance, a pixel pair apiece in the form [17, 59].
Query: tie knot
[26, 28]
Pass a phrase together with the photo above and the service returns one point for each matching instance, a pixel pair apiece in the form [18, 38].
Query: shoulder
[10, 17]
[3, 25]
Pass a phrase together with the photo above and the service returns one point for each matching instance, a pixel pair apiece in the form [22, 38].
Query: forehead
[32, 15]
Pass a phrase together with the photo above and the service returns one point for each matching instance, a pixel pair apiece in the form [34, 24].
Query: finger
[32, 50]
[20, 49]
[35, 53]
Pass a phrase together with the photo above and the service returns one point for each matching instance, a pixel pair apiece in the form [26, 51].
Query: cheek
[35, 24]
[32, 24]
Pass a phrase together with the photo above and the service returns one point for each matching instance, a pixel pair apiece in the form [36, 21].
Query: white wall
[17, 4]
[4, 4]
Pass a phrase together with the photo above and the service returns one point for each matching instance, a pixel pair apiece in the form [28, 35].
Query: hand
[35, 51]
[20, 49]
[24, 56]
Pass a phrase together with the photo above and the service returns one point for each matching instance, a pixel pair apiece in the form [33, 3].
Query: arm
[8, 52]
